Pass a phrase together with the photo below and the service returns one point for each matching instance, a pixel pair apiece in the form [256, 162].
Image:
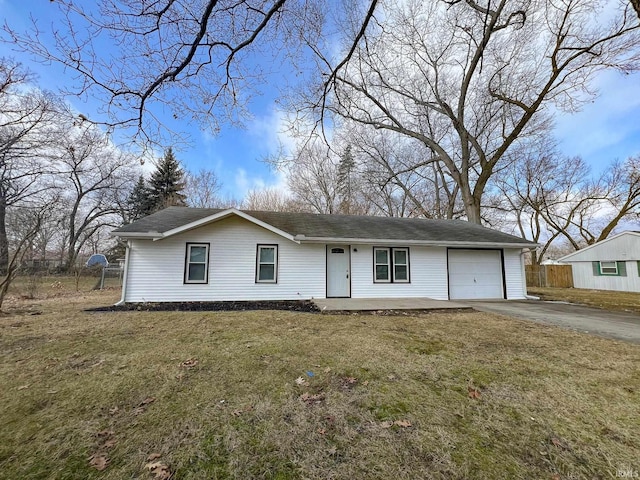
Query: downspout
[524, 276]
[125, 274]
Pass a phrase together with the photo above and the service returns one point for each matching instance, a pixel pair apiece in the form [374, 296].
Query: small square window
[267, 264]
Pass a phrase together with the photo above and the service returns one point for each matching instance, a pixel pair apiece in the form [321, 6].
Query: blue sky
[605, 129]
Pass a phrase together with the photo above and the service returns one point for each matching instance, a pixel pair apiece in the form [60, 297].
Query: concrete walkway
[369, 304]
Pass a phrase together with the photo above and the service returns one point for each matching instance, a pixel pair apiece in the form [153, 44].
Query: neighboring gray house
[612, 264]
[194, 254]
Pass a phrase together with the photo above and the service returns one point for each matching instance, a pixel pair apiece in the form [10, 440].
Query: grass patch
[288, 395]
[605, 299]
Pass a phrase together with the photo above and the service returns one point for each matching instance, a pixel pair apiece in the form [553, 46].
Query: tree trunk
[4, 242]
[471, 206]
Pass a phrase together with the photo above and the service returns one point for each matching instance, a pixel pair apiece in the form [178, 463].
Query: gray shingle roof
[336, 226]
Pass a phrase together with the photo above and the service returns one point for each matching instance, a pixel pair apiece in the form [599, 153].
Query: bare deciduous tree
[27, 117]
[550, 197]
[194, 54]
[472, 80]
[30, 221]
[202, 189]
[94, 177]
[271, 199]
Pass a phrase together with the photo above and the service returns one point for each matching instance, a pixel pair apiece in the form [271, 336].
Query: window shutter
[622, 269]
[596, 268]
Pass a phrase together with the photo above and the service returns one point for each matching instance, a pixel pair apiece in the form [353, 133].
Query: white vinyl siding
[514, 277]
[428, 275]
[156, 269]
[583, 277]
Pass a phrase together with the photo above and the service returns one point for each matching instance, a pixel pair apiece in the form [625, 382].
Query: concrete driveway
[618, 325]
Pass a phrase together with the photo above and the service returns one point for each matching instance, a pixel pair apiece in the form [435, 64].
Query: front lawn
[606, 299]
[287, 395]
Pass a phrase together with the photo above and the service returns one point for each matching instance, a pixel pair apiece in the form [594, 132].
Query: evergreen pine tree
[345, 171]
[166, 183]
[140, 202]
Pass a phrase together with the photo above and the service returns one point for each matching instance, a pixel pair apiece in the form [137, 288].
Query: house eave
[426, 243]
[136, 235]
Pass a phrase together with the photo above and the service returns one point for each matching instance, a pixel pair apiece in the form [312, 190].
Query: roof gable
[624, 246]
[222, 214]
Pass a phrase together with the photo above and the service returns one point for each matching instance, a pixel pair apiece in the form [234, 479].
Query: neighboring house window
[197, 263]
[267, 264]
[391, 265]
[608, 268]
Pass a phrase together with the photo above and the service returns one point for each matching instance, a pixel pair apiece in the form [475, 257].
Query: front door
[338, 263]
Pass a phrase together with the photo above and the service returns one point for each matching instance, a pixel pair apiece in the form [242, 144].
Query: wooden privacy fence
[549, 276]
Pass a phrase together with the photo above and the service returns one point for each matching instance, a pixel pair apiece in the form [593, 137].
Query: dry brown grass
[606, 299]
[74, 384]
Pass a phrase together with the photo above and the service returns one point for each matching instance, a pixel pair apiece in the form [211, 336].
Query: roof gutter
[430, 243]
[133, 235]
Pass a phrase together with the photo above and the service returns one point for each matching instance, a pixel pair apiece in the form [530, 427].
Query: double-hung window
[267, 264]
[391, 265]
[609, 268]
[382, 264]
[196, 268]
[400, 264]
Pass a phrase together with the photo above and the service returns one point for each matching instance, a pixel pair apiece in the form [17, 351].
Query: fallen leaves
[559, 443]
[159, 470]
[237, 413]
[474, 393]
[190, 363]
[142, 406]
[311, 399]
[397, 423]
[99, 461]
[349, 382]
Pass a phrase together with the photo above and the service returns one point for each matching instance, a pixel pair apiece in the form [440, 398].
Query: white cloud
[273, 132]
[245, 182]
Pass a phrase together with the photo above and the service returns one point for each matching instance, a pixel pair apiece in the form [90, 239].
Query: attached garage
[475, 274]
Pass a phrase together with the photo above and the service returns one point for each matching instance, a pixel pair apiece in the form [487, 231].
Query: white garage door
[475, 274]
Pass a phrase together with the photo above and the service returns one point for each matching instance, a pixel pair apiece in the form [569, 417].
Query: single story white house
[611, 264]
[195, 254]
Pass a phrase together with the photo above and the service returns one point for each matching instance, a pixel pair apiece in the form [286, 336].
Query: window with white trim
[196, 269]
[267, 264]
[609, 268]
[401, 265]
[381, 264]
[390, 265]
